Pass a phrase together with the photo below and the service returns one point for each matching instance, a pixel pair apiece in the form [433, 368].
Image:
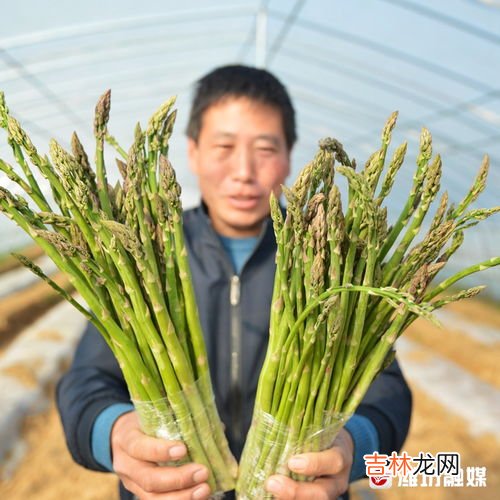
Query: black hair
[241, 81]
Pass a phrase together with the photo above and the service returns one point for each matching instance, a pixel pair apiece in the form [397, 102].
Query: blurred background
[347, 66]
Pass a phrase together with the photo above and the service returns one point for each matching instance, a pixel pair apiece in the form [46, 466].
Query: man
[240, 135]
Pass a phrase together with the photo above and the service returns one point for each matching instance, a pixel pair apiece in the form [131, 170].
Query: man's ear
[192, 153]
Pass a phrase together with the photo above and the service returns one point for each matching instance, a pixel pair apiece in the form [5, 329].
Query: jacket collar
[208, 235]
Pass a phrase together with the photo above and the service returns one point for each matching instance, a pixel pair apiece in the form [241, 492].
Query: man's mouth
[243, 202]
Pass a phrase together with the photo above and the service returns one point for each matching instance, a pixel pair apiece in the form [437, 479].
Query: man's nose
[243, 166]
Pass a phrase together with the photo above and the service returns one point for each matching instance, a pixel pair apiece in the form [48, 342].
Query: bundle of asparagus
[346, 287]
[123, 250]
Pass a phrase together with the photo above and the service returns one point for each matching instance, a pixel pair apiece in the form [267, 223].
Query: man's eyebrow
[268, 137]
[223, 135]
[261, 137]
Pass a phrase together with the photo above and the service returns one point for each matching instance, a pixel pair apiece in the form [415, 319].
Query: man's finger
[281, 487]
[322, 463]
[198, 492]
[284, 488]
[331, 461]
[166, 479]
[150, 449]
[333, 487]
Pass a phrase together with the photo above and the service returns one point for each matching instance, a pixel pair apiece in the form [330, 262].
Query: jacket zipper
[234, 298]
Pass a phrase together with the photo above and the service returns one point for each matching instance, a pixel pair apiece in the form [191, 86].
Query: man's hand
[331, 469]
[135, 459]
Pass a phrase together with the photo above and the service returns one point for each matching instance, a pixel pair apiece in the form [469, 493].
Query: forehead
[231, 114]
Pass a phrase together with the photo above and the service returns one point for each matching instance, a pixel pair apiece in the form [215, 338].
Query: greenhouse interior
[367, 80]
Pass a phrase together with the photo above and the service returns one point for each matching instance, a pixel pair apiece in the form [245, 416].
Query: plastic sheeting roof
[347, 65]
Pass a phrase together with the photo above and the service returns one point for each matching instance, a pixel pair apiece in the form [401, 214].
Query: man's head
[240, 134]
[241, 81]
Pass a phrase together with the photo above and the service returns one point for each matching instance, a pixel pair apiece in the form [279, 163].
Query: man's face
[240, 157]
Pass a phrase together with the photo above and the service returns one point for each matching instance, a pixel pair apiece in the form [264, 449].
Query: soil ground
[8, 262]
[47, 471]
[20, 309]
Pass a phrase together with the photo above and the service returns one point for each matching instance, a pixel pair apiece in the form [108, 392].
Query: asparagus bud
[101, 117]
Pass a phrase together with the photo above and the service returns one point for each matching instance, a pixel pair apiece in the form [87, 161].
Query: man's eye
[266, 150]
[223, 146]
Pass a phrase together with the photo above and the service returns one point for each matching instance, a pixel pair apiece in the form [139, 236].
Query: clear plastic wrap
[270, 444]
[186, 417]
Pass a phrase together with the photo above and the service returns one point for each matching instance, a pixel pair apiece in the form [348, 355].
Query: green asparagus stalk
[347, 285]
[124, 252]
